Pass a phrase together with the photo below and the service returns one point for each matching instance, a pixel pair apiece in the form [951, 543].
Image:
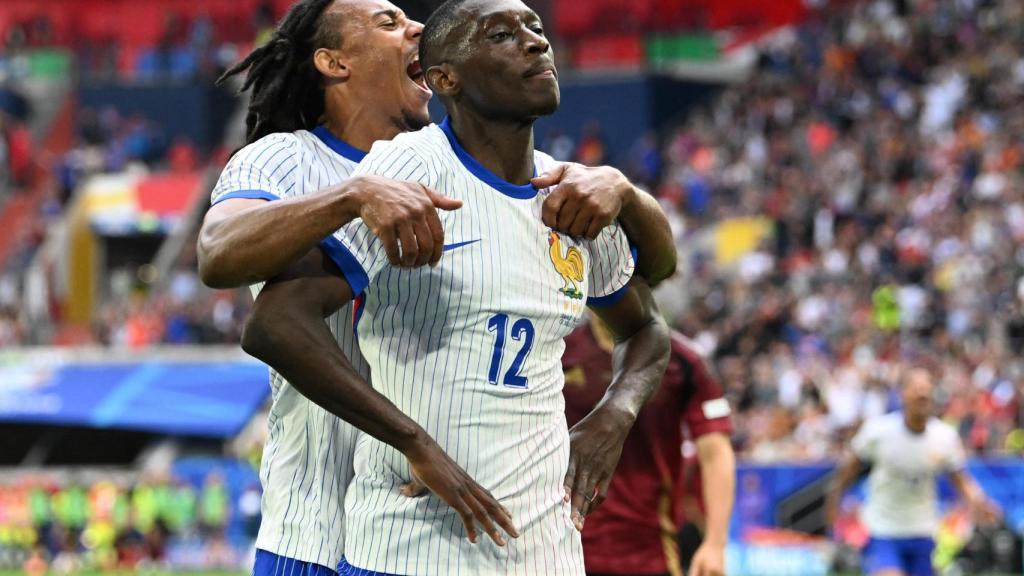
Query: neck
[915, 423]
[504, 148]
[358, 123]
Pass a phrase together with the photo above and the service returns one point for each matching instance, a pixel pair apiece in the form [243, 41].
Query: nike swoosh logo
[448, 247]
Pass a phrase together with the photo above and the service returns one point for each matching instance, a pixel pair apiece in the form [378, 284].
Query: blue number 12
[522, 330]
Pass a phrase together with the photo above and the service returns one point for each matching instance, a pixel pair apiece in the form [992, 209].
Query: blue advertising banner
[199, 397]
[761, 488]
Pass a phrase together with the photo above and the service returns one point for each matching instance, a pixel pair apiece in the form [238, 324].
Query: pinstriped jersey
[307, 460]
[471, 350]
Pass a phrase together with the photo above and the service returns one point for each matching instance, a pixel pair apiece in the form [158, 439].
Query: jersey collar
[521, 192]
[338, 145]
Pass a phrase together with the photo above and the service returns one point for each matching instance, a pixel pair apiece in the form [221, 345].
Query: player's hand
[586, 200]
[595, 444]
[709, 560]
[433, 470]
[404, 216]
[984, 511]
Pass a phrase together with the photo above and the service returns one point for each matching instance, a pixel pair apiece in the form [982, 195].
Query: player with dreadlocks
[336, 76]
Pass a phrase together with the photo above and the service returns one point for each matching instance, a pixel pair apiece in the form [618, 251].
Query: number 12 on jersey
[522, 331]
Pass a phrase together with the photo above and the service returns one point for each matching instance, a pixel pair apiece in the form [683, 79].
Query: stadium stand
[852, 206]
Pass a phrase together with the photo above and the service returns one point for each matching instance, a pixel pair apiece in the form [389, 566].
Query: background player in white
[906, 451]
[336, 76]
[471, 349]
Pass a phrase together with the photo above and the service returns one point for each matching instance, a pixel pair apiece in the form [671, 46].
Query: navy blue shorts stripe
[270, 564]
[346, 569]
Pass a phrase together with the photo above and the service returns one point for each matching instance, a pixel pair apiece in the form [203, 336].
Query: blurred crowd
[880, 153]
[180, 311]
[108, 142]
[135, 311]
[873, 165]
[55, 524]
[16, 151]
[181, 46]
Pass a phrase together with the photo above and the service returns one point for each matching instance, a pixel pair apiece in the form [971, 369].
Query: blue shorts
[912, 556]
[270, 564]
[346, 569]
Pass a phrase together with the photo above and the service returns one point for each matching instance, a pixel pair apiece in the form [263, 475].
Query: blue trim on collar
[521, 192]
[338, 145]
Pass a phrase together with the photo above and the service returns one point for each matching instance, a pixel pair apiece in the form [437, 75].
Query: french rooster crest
[569, 266]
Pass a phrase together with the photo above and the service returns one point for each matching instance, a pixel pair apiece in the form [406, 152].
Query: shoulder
[542, 162]
[271, 143]
[686, 355]
[422, 144]
[685, 349]
[941, 430]
[878, 425]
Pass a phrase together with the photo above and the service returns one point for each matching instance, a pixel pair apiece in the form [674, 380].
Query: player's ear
[443, 80]
[331, 64]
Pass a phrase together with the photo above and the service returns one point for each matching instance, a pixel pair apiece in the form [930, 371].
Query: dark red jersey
[634, 531]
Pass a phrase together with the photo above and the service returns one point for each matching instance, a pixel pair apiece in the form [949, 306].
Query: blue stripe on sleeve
[247, 195]
[350, 267]
[605, 301]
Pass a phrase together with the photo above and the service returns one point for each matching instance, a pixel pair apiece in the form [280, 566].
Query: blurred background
[845, 180]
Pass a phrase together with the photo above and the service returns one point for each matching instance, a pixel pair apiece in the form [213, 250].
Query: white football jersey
[471, 349]
[901, 499]
[307, 460]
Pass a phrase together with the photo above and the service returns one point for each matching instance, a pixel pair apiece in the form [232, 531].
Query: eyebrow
[391, 13]
[526, 15]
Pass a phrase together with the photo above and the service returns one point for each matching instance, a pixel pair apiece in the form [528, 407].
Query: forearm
[718, 475]
[638, 365]
[841, 482]
[966, 487]
[648, 230]
[296, 342]
[261, 241]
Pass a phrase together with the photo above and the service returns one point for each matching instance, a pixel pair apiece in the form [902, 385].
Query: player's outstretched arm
[981, 507]
[588, 199]
[638, 365]
[287, 331]
[243, 241]
[849, 469]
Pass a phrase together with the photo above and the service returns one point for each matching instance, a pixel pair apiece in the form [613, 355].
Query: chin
[546, 107]
[416, 119]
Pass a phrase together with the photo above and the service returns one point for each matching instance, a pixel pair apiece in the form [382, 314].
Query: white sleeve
[865, 443]
[956, 459]
[265, 169]
[611, 266]
[356, 250]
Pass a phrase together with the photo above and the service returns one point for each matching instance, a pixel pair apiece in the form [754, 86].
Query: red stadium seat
[609, 52]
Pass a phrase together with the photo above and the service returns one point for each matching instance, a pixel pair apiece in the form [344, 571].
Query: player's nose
[534, 43]
[414, 30]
